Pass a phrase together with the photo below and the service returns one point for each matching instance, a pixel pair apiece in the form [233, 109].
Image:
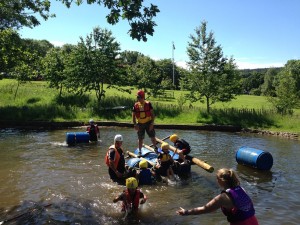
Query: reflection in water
[264, 180]
[38, 168]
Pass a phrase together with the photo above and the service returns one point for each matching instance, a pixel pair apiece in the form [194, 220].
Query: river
[38, 168]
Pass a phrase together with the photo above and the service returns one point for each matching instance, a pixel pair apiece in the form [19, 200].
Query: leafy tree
[292, 67]
[41, 47]
[287, 97]
[18, 13]
[166, 68]
[93, 63]
[212, 77]
[10, 49]
[252, 81]
[268, 87]
[144, 74]
[287, 88]
[130, 57]
[54, 67]
[16, 58]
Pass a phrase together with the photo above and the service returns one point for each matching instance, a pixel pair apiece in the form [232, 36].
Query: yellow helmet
[131, 182]
[143, 164]
[165, 146]
[173, 137]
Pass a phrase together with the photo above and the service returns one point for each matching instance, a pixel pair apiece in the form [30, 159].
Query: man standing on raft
[143, 120]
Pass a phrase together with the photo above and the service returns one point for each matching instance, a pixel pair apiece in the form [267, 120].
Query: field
[35, 101]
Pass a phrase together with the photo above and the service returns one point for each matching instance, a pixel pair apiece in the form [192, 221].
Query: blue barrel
[77, 137]
[254, 158]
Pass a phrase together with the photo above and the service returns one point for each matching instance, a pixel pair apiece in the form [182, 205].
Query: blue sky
[256, 33]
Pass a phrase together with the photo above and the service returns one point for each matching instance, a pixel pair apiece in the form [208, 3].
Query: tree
[287, 88]
[287, 97]
[18, 13]
[212, 77]
[54, 67]
[93, 63]
[292, 67]
[268, 87]
[166, 68]
[144, 74]
[11, 50]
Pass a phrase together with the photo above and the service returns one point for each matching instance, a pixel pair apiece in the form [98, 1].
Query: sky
[256, 33]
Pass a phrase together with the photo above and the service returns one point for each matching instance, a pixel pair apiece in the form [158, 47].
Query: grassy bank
[36, 102]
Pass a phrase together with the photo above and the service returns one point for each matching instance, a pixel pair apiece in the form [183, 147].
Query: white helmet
[91, 121]
[118, 137]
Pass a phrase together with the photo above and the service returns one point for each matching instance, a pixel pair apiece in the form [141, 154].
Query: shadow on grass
[238, 117]
[33, 100]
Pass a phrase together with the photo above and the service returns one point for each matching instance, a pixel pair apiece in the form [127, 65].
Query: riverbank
[45, 125]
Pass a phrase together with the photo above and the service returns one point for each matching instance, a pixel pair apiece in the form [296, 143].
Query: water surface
[37, 168]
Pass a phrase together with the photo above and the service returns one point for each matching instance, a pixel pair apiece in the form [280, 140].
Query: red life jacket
[117, 156]
[132, 203]
[143, 111]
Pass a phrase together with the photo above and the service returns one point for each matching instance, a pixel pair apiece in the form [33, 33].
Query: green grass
[35, 101]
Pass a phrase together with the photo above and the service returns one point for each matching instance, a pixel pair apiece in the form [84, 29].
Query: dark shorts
[144, 127]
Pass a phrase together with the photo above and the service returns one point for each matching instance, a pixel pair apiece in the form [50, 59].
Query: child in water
[165, 162]
[145, 175]
[131, 196]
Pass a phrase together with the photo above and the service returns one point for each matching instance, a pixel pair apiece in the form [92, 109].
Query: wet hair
[229, 177]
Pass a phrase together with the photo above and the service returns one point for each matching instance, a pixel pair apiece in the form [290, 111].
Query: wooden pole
[161, 139]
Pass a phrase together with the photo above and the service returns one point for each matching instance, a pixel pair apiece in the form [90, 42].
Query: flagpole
[173, 48]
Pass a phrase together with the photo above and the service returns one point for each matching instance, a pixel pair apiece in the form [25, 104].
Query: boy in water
[131, 196]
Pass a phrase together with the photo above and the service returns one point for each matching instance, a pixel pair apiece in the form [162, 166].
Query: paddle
[135, 156]
[22, 214]
[161, 139]
[198, 162]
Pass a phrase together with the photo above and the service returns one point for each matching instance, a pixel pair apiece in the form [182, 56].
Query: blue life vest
[145, 177]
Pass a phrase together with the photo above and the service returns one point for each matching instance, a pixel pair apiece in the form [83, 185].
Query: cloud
[249, 65]
[242, 65]
[181, 64]
[57, 43]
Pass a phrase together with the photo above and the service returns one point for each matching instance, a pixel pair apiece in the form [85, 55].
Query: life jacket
[142, 112]
[132, 203]
[182, 144]
[164, 157]
[117, 156]
[93, 130]
[145, 177]
[243, 206]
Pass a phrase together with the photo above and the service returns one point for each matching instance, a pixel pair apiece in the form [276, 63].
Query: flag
[173, 46]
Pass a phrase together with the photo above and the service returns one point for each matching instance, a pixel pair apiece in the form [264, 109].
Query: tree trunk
[207, 105]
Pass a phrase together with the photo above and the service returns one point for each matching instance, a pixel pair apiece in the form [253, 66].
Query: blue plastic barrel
[254, 158]
[77, 137]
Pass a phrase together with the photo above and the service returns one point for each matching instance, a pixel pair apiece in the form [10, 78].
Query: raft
[151, 157]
